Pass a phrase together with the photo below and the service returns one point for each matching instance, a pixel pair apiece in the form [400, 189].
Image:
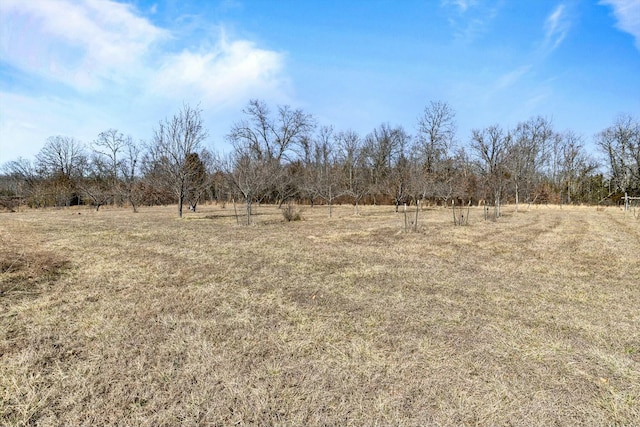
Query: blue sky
[78, 67]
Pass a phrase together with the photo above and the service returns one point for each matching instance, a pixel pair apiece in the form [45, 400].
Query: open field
[114, 318]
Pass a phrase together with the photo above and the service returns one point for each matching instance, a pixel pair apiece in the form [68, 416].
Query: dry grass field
[116, 318]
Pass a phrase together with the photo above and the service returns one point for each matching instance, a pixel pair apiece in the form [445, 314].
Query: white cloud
[228, 71]
[93, 44]
[627, 13]
[86, 65]
[79, 44]
[556, 27]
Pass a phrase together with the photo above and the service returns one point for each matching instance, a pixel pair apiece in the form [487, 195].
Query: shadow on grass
[21, 272]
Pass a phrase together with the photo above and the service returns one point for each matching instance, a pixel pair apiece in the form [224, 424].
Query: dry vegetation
[118, 318]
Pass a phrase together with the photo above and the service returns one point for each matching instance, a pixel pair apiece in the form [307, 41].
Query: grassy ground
[114, 318]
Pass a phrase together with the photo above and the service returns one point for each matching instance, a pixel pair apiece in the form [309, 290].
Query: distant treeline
[283, 155]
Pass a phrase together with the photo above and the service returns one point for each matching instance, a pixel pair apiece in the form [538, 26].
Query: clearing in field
[112, 317]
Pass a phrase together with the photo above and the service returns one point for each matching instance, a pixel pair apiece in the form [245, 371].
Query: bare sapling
[461, 218]
[405, 218]
[466, 219]
[489, 215]
[453, 210]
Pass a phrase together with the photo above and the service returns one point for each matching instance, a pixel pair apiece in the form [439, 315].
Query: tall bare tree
[27, 181]
[129, 171]
[248, 176]
[269, 143]
[101, 184]
[490, 147]
[62, 161]
[436, 134]
[173, 142]
[271, 138]
[62, 155]
[109, 145]
[352, 160]
[575, 165]
[383, 148]
[326, 168]
[433, 145]
[620, 143]
[528, 154]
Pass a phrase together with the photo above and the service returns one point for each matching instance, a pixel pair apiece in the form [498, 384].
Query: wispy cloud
[461, 5]
[512, 77]
[627, 13]
[556, 27]
[470, 18]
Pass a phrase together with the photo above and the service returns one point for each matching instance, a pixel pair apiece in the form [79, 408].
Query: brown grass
[143, 319]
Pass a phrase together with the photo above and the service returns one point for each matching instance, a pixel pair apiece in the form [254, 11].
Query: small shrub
[290, 213]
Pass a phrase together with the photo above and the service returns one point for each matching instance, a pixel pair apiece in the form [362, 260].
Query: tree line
[284, 155]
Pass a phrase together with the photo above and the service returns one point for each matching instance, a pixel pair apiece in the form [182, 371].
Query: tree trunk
[235, 211]
[248, 200]
[453, 210]
[133, 205]
[180, 201]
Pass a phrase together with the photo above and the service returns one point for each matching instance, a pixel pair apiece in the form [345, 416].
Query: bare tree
[271, 142]
[383, 148]
[323, 171]
[96, 184]
[490, 146]
[436, 134]
[352, 160]
[620, 143]
[109, 145]
[271, 138]
[528, 153]
[287, 182]
[248, 176]
[129, 171]
[102, 184]
[174, 141]
[575, 165]
[63, 161]
[26, 180]
[433, 145]
[417, 182]
[62, 155]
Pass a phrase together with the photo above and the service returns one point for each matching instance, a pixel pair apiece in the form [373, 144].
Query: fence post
[626, 201]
